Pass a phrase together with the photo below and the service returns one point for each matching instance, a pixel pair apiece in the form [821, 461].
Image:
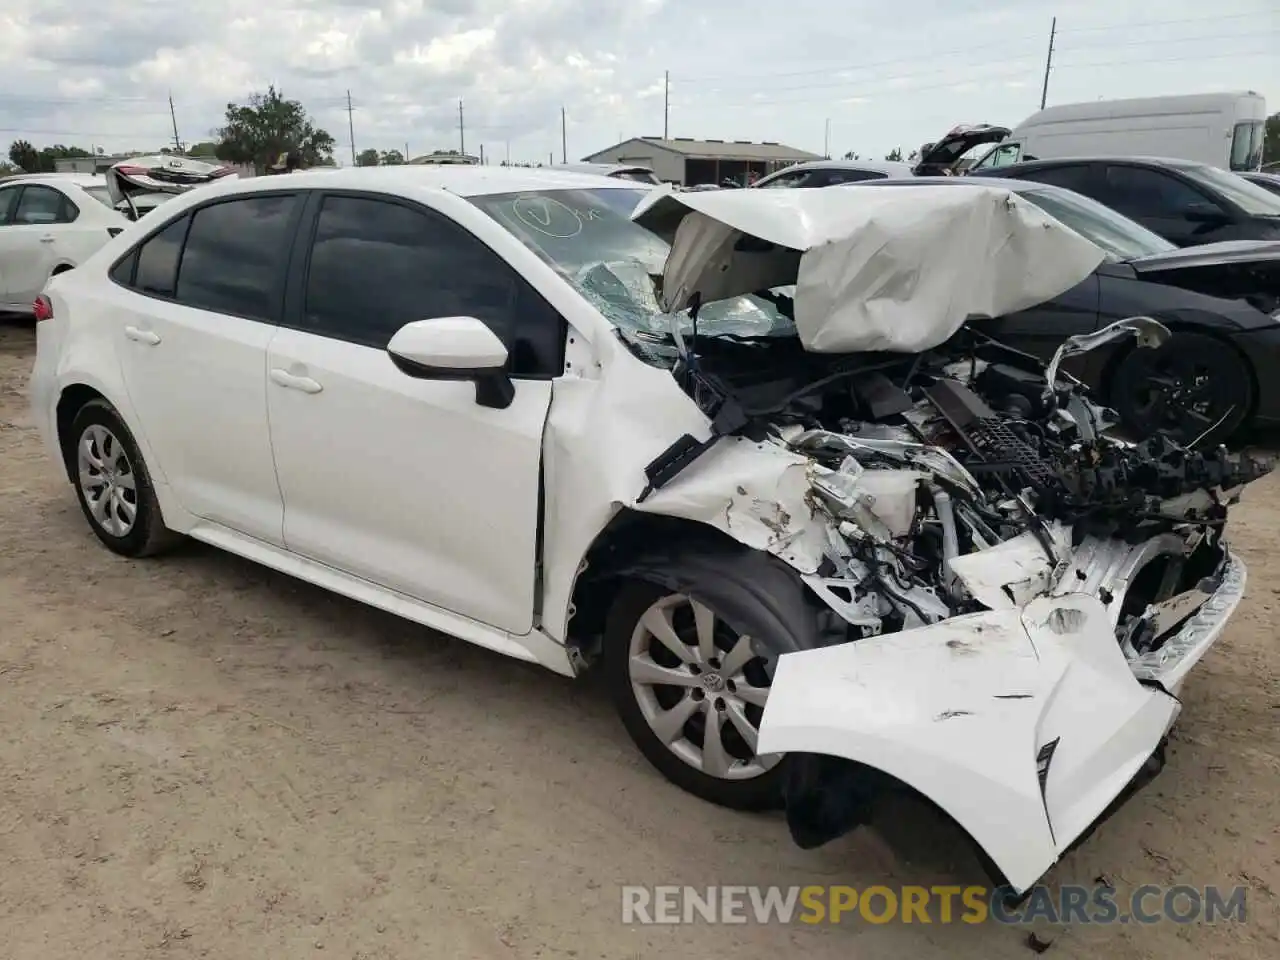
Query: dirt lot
[205, 759]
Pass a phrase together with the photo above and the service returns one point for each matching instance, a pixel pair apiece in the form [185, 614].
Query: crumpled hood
[874, 270]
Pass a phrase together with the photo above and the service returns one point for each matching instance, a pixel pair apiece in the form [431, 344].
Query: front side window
[43, 205]
[1246, 145]
[1074, 177]
[1119, 236]
[1139, 192]
[1002, 156]
[235, 255]
[376, 266]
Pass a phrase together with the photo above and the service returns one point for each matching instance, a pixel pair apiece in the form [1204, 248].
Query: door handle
[148, 337]
[294, 382]
[47, 238]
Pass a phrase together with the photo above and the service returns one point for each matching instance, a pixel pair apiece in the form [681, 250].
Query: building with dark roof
[688, 162]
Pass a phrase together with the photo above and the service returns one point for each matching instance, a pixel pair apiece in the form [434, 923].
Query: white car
[49, 223]
[828, 173]
[820, 547]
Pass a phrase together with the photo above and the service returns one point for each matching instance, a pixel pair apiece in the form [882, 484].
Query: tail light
[42, 307]
[129, 171]
[114, 231]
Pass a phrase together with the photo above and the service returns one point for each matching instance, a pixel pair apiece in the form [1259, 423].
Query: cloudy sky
[876, 74]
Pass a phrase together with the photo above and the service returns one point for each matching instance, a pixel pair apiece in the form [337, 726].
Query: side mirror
[455, 348]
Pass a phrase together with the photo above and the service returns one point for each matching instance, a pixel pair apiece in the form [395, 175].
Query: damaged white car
[741, 448]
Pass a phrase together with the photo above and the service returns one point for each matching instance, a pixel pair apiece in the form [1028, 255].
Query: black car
[1186, 203]
[1221, 368]
[1267, 181]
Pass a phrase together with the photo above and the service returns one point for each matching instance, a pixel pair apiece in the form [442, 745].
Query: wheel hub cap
[701, 688]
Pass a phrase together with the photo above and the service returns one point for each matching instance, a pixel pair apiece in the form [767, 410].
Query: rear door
[203, 297]
[406, 482]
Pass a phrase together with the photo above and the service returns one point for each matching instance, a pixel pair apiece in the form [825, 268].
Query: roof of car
[460, 179]
[1103, 158]
[1016, 186]
[77, 179]
[891, 167]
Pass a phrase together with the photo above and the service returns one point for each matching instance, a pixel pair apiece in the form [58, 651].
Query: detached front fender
[1021, 724]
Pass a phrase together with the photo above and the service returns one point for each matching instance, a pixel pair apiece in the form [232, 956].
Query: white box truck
[1221, 129]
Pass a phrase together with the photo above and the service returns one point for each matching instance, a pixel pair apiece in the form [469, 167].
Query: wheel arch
[667, 551]
[73, 398]
[1176, 326]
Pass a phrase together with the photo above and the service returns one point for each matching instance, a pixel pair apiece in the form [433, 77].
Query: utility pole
[482, 154]
[826, 140]
[508, 160]
[564, 139]
[666, 104]
[177, 143]
[462, 132]
[351, 129]
[406, 151]
[1048, 63]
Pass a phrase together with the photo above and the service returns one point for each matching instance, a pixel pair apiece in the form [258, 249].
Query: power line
[930, 55]
[856, 88]
[1162, 23]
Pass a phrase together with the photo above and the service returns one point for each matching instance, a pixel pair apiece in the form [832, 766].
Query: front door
[192, 328]
[29, 239]
[404, 482]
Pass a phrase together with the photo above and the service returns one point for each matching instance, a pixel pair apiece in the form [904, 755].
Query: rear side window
[157, 273]
[43, 205]
[1139, 192]
[8, 196]
[850, 176]
[235, 255]
[1069, 178]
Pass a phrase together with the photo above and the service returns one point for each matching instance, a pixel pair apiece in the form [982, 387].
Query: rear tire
[683, 662]
[1195, 389]
[113, 484]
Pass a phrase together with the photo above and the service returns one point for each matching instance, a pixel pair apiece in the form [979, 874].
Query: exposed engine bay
[959, 480]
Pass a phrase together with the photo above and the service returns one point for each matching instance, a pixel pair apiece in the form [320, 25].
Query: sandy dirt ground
[200, 758]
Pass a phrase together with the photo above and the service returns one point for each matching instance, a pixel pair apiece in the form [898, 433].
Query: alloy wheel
[700, 687]
[107, 480]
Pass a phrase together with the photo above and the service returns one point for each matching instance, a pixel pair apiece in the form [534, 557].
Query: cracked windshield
[589, 238]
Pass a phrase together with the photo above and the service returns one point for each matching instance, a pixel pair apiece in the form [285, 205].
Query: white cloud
[85, 71]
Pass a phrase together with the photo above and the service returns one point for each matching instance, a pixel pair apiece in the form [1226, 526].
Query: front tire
[688, 658]
[1196, 389]
[113, 484]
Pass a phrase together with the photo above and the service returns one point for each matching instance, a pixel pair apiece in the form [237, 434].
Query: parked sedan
[1186, 203]
[1221, 369]
[829, 173]
[49, 223]
[434, 392]
[1267, 181]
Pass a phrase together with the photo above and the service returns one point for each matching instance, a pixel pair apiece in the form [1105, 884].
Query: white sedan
[820, 546]
[49, 223]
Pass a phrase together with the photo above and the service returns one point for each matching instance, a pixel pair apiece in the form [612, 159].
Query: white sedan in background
[49, 223]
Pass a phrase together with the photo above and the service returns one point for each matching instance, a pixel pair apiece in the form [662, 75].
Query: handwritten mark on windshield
[549, 217]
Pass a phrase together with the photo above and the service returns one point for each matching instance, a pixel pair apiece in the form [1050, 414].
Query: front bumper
[1023, 724]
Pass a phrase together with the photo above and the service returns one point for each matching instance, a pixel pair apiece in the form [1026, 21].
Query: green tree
[894, 155]
[257, 132]
[392, 158]
[367, 158]
[1271, 143]
[851, 156]
[24, 156]
[205, 148]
